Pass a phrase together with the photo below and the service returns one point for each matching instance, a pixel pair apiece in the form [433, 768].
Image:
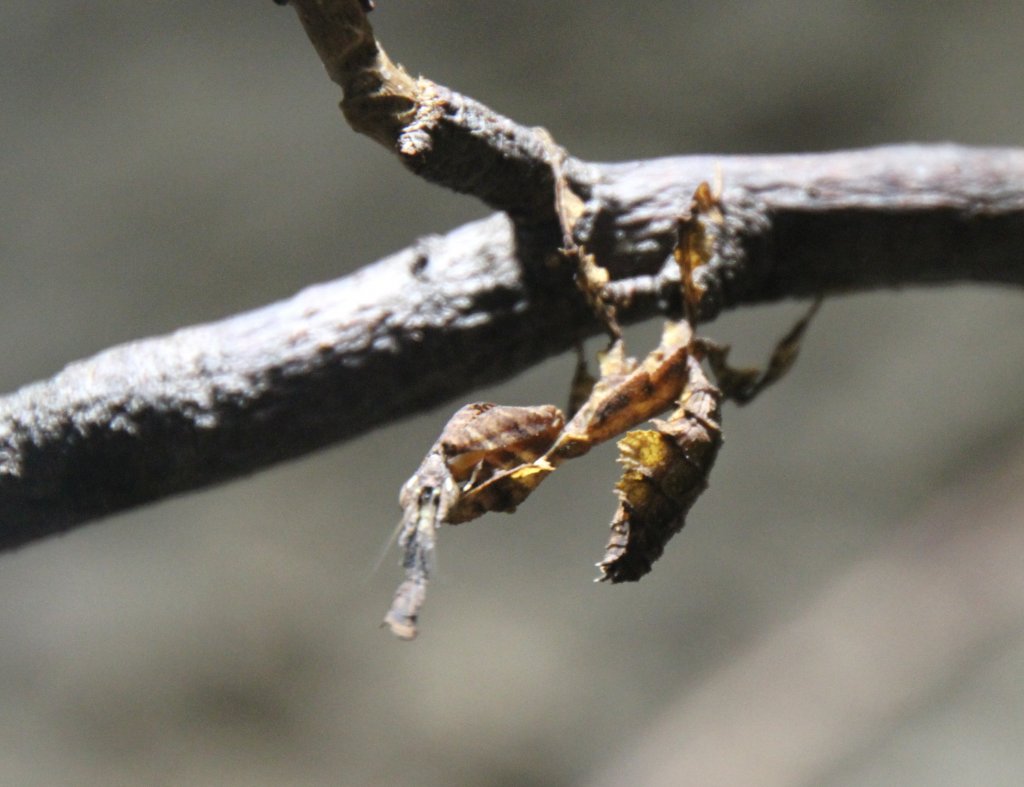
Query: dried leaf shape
[627, 393]
[483, 439]
[695, 244]
[743, 385]
[665, 470]
[504, 491]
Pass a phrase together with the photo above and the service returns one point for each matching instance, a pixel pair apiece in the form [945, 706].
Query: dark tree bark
[205, 404]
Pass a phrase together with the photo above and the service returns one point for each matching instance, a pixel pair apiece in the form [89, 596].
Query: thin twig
[441, 135]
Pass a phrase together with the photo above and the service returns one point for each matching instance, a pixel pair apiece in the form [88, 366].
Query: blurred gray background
[846, 604]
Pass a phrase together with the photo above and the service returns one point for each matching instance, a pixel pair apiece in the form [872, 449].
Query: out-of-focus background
[846, 605]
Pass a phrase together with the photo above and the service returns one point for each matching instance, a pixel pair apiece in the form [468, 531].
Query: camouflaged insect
[479, 441]
[491, 457]
[665, 470]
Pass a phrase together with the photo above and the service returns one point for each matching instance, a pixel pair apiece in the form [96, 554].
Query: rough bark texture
[165, 415]
[208, 403]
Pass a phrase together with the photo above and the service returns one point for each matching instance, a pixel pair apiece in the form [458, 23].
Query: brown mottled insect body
[485, 444]
[482, 438]
[477, 444]
[628, 393]
[491, 457]
[665, 471]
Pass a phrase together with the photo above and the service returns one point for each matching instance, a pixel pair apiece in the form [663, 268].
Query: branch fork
[209, 403]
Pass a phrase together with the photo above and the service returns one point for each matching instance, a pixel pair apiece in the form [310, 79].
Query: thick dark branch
[205, 404]
[800, 225]
[456, 142]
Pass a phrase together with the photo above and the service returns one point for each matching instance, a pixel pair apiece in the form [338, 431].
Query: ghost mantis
[491, 457]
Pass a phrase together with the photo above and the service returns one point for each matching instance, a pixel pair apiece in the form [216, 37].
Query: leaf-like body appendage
[665, 470]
